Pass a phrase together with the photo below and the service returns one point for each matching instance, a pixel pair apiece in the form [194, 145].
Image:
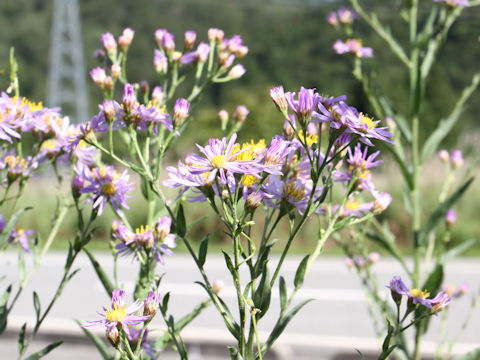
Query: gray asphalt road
[337, 320]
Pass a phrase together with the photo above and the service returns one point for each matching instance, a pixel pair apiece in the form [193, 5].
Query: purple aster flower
[306, 104]
[147, 346]
[16, 166]
[202, 52]
[367, 128]
[397, 289]
[129, 99]
[294, 192]
[22, 237]
[106, 185]
[164, 240]
[373, 257]
[417, 296]
[332, 18]
[220, 159]
[180, 111]
[453, 3]
[10, 117]
[118, 316]
[360, 164]
[143, 115]
[274, 156]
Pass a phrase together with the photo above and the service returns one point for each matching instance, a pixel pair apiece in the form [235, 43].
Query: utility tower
[66, 74]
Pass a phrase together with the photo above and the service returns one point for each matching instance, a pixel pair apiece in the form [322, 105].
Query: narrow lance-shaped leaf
[41, 353]
[3, 308]
[105, 280]
[282, 287]
[300, 274]
[262, 295]
[21, 339]
[202, 252]
[36, 305]
[180, 224]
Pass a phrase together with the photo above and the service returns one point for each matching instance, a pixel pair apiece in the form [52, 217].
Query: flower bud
[254, 200]
[150, 306]
[241, 52]
[129, 99]
[288, 130]
[113, 336]
[218, 286]
[108, 84]
[332, 19]
[144, 87]
[390, 123]
[160, 62]
[189, 40]
[216, 35]
[223, 115]
[237, 71]
[202, 52]
[456, 158]
[444, 156]
[158, 95]
[98, 76]
[359, 261]
[180, 111]
[99, 55]
[240, 114]
[382, 201]
[278, 97]
[373, 257]
[109, 44]
[450, 217]
[168, 43]
[109, 111]
[77, 185]
[349, 262]
[159, 34]
[115, 70]
[125, 39]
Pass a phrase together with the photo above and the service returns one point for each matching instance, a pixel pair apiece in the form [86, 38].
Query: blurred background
[290, 44]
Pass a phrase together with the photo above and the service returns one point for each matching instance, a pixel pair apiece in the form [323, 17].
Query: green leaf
[361, 354]
[300, 274]
[36, 305]
[386, 342]
[146, 189]
[39, 354]
[166, 298]
[386, 353]
[262, 296]
[441, 210]
[202, 252]
[3, 308]
[234, 354]
[180, 224]
[471, 355]
[283, 322]
[21, 339]
[101, 346]
[262, 257]
[103, 277]
[11, 224]
[457, 250]
[229, 263]
[282, 287]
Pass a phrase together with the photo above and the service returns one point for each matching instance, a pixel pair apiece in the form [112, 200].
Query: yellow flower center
[142, 229]
[249, 180]
[296, 192]
[419, 294]
[218, 161]
[108, 189]
[117, 314]
[352, 205]
[311, 139]
[365, 120]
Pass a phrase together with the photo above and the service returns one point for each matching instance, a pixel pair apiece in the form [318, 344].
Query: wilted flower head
[151, 303]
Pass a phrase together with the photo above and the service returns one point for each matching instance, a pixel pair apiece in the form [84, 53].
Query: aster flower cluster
[119, 320]
[17, 235]
[145, 242]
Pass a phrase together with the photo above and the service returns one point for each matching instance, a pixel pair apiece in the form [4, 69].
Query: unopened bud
[180, 111]
[159, 36]
[151, 304]
[241, 52]
[189, 40]
[237, 71]
[359, 261]
[168, 42]
[373, 257]
[450, 217]
[444, 156]
[223, 115]
[216, 35]
[108, 84]
[109, 44]
[125, 39]
[288, 130]
[240, 114]
[109, 111]
[98, 76]
[218, 286]
[160, 62]
[144, 87]
[278, 97]
[113, 336]
[254, 200]
[456, 158]
[77, 185]
[115, 70]
[158, 95]
[390, 123]
[349, 262]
